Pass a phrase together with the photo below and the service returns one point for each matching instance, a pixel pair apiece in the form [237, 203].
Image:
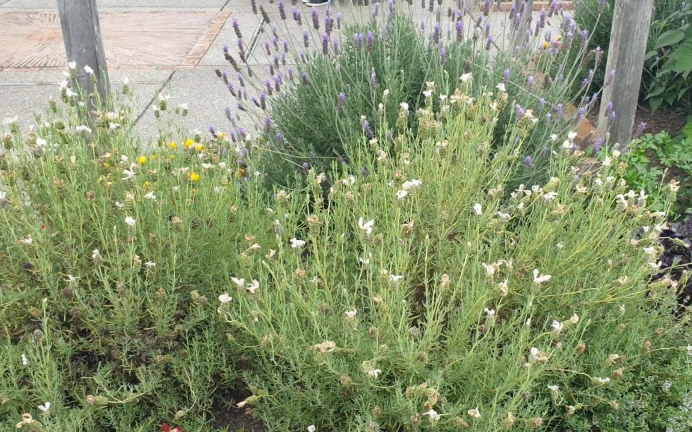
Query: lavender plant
[327, 71]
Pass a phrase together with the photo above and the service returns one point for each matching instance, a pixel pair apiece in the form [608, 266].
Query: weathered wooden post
[81, 32]
[628, 37]
[524, 11]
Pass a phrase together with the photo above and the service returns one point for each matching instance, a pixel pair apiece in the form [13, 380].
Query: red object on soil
[166, 428]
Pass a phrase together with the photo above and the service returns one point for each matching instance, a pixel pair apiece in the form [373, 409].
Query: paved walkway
[161, 46]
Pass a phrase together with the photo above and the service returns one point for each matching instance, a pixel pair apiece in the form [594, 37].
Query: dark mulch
[669, 120]
[229, 418]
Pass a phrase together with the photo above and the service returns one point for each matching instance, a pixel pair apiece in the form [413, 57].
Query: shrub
[362, 67]
[112, 260]
[417, 297]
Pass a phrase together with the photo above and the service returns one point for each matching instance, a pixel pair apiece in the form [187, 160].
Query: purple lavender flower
[489, 43]
[580, 114]
[597, 145]
[512, 12]
[611, 77]
[385, 31]
[437, 30]
[299, 17]
[373, 79]
[601, 6]
[271, 68]
[212, 131]
[519, 111]
[641, 127]
[338, 21]
[371, 41]
[283, 59]
[279, 139]
[234, 139]
[255, 101]
[506, 75]
[569, 38]
[544, 151]
[376, 10]
[368, 130]
[559, 112]
[267, 124]
[277, 85]
[460, 30]
[528, 161]
[486, 7]
[254, 6]
[548, 117]
[282, 10]
[227, 112]
[225, 48]
[584, 39]
[306, 41]
[325, 44]
[304, 77]
[609, 109]
[391, 7]
[231, 89]
[306, 168]
[358, 40]
[530, 82]
[340, 103]
[236, 28]
[240, 106]
[335, 45]
[487, 29]
[268, 85]
[263, 101]
[390, 137]
[291, 73]
[611, 118]
[443, 56]
[315, 18]
[364, 171]
[302, 56]
[267, 48]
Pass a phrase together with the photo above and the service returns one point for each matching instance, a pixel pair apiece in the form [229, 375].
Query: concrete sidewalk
[165, 46]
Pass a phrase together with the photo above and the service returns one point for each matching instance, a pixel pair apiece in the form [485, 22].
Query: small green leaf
[687, 130]
[655, 103]
[650, 55]
[669, 38]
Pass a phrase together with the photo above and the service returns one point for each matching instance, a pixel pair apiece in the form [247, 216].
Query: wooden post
[628, 37]
[81, 32]
[520, 37]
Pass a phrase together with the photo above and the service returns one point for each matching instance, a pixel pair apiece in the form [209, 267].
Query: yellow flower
[106, 165]
[189, 143]
[223, 135]
[153, 157]
[173, 145]
[200, 147]
[194, 176]
[559, 38]
[145, 185]
[172, 156]
[142, 160]
[545, 45]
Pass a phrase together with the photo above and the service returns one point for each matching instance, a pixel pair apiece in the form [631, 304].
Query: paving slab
[33, 40]
[103, 5]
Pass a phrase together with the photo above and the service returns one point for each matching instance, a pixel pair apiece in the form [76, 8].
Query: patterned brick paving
[32, 41]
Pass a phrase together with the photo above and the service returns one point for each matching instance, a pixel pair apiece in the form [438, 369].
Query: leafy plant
[672, 60]
[653, 159]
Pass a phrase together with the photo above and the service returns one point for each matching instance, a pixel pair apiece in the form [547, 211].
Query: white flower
[607, 161]
[560, 245]
[129, 174]
[411, 184]
[3, 194]
[501, 87]
[539, 278]
[401, 194]
[504, 287]
[434, 416]
[490, 312]
[528, 322]
[571, 135]
[689, 350]
[465, 77]
[395, 278]
[574, 319]
[489, 268]
[312, 428]
[150, 196]
[25, 361]
[126, 80]
[622, 308]
[553, 137]
[184, 107]
[475, 413]
[82, 128]
[71, 279]
[72, 65]
[427, 93]
[119, 205]
[478, 209]
[239, 282]
[297, 244]
[404, 106]
[95, 254]
[602, 380]
[130, 221]
[150, 264]
[45, 407]
[88, 70]
[550, 197]
[41, 142]
[558, 326]
[225, 298]
[351, 314]
[374, 373]
[366, 226]
[503, 216]
[553, 388]
[253, 286]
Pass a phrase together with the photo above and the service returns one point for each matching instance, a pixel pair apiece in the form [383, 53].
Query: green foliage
[653, 159]
[672, 60]
[311, 125]
[661, 82]
[111, 262]
[423, 297]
